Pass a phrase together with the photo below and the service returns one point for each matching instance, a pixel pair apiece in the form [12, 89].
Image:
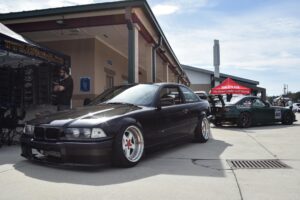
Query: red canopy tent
[228, 86]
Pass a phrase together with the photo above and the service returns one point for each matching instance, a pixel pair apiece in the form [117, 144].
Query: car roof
[158, 84]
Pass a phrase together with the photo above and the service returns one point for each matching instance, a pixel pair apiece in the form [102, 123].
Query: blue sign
[85, 84]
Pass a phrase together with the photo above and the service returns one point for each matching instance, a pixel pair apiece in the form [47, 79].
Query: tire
[217, 123]
[244, 120]
[288, 118]
[128, 147]
[202, 131]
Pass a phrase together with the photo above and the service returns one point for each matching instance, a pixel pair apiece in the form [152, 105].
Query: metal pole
[216, 62]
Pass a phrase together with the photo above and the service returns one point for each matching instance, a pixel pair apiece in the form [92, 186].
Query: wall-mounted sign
[85, 84]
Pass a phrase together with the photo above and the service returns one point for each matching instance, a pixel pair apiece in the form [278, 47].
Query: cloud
[255, 42]
[256, 45]
[164, 9]
[168, 7]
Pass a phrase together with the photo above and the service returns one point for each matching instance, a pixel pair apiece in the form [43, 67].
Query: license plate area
[45, 153]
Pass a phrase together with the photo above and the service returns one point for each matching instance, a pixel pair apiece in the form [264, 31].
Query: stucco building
[108, 43]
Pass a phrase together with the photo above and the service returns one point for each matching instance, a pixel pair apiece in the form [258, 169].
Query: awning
[17, 44]
[228, 86]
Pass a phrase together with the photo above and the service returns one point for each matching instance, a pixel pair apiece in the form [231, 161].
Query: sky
[259, 39]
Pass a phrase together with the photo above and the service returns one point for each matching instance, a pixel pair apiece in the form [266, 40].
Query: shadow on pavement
[10, 154]
[256, 128]
[189, 159]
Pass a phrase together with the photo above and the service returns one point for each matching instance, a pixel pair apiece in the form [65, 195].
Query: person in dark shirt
[64, 90]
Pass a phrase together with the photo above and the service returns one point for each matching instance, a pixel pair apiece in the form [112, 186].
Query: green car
[246, 111]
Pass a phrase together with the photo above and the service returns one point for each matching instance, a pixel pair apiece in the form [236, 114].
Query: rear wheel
[244, 120]
[217, 123]
[202, 131]
[288, 118]
[128, 147]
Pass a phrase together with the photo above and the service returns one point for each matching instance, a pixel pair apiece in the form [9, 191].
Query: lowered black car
[117, 126]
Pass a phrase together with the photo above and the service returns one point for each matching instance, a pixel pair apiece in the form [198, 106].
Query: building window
[109, 81]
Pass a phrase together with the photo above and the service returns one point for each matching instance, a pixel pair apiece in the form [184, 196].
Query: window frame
[179, 94]
[188, 89]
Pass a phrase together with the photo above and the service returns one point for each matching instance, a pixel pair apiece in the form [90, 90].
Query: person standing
[64, 90]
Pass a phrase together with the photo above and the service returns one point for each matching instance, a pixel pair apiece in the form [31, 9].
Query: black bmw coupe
[117, 126]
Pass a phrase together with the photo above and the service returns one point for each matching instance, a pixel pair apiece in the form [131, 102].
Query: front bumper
[67, 153]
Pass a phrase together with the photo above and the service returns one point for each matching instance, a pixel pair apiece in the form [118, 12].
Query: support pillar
[154, 54]
[148, 64]
[167, 72]
[133, 54]
[133, 48]
[153, 64]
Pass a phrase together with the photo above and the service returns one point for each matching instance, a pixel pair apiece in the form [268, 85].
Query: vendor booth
[27, 71]
[229, 86]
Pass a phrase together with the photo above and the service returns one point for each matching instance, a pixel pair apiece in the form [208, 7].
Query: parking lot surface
[185, 171]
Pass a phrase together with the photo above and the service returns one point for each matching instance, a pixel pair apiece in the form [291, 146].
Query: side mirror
[86, 101]
[268, 105]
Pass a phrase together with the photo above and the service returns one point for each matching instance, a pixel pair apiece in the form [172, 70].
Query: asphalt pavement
[185, 171]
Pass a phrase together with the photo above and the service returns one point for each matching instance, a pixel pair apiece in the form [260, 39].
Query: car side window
[245, 103]
[170, 96]
[189, 96]
[258, 103]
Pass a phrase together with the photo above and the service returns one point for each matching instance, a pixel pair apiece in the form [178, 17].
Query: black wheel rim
[245, 120]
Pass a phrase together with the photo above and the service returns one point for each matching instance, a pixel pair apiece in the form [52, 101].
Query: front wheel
[244, 120]
[128, 147]
[202, 131]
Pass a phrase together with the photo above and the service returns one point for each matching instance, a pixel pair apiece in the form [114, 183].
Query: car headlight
[98, 133]
[72, 132]
[84, 133]
[28, 129]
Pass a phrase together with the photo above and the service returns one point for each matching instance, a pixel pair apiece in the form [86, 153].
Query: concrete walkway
[187, 171]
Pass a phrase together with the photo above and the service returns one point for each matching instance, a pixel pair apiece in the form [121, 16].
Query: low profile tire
[128, 147]
[288, 118]
[244, 120]
[217, 123]
[202, 131]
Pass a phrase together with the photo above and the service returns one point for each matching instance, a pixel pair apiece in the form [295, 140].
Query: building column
[133, 53]
[154, 54]
[154, 64]
[148, 60]
[167, 72]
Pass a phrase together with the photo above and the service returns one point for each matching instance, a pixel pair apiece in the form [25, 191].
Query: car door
[262, 113]
[171, 117]
[193, 107]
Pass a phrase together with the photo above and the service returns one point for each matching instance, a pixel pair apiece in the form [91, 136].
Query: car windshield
[141, 95]
[109, 94]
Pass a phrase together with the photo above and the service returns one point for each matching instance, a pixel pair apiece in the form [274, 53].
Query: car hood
[85, 116]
